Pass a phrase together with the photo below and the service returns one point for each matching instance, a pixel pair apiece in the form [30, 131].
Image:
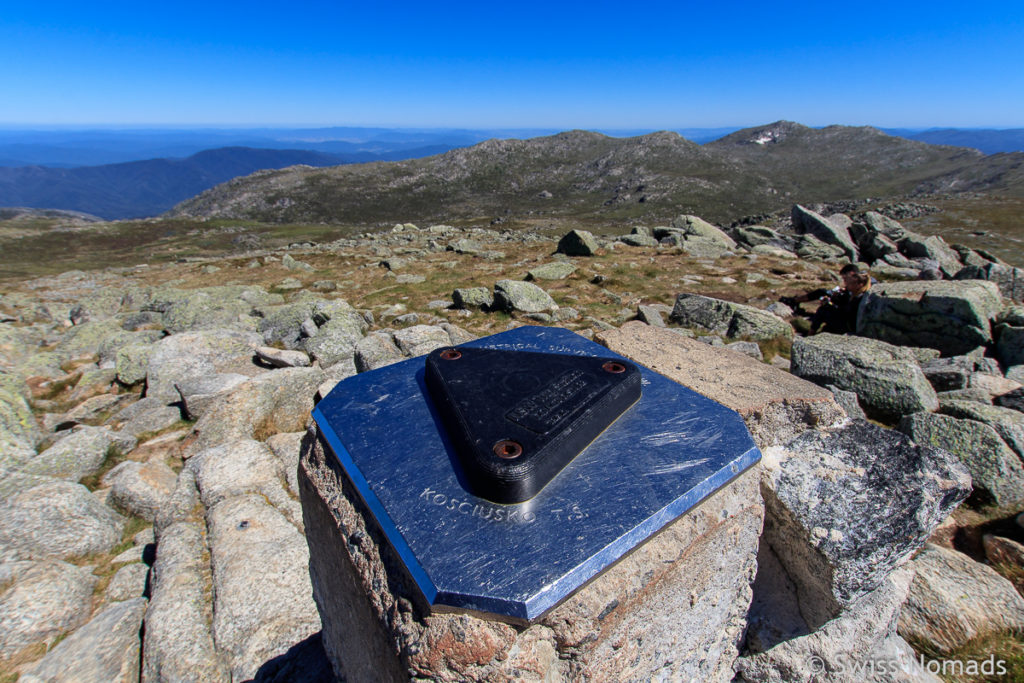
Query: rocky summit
[168, 512]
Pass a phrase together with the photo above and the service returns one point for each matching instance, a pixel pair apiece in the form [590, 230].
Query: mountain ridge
[594, 176]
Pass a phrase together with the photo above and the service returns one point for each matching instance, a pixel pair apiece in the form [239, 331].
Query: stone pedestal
[674, 609]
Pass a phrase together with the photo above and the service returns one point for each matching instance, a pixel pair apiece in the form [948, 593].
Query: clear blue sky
[527, 64]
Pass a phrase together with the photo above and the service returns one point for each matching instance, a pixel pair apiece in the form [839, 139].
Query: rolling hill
[595, 177]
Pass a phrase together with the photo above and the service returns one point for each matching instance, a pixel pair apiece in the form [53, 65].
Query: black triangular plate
[517, 418]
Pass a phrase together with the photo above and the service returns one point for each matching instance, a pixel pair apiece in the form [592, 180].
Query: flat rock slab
[951, 316]
[775, 405]
[105, 649]
[57, 519]
[178, 645]
[79, 453]
[277, 401]
[40, 601]
[261, 608]
[558, 270]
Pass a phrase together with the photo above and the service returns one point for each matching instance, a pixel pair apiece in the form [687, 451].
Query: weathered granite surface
[775, 405]
[954, 317]
[849, 505]
[886, 378]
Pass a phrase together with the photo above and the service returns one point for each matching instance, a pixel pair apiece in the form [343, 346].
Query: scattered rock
[954, 599]
[198, 393]
[1003, 551]
[649, 315]
[577, 243]
[473, 297]
[237, 468]
[193, 355]
[178, 644]
[842, 648]
[282, 358]
[886, 378]
[515, 295]
[419, 340]
[80, 453]
[147, 417]
[847, 506]
[994, 468]
[1009, 424]
[806, 221]
[558, 270]
[140, 489]
[729, 319]
[261, 609]
[279, 401]
[698, 227]
[746, 348]
[376, 350]
[128, 582]
[953, 317]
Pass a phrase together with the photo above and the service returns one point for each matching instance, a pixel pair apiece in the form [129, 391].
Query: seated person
[837, 312]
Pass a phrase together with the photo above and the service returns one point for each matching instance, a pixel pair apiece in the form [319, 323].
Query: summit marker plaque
[644, 461]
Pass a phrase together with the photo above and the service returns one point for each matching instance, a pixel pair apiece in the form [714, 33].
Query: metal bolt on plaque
[510, 470]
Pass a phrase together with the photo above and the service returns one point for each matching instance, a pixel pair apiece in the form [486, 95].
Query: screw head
[508, 449]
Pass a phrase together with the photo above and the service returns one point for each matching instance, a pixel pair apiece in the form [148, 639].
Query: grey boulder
[472, 297]
[526, 297]
[954, 599]
[994, 468]
[577, 243]
[261, 608]
[727, 318]
[847, 506]
[558, 270]
[953, 317]
[105, 649]
[194, 355]
[179, 645]
[57, 520]
[1008, 423]
[40, 601]
[140, 489]
[694, 226]
[79, 453]
[886, 378]
[278, 401]
[836, 234]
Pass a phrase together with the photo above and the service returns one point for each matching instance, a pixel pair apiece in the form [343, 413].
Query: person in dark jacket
[837, 312]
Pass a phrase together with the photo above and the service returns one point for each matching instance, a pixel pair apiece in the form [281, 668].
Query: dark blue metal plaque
[666, 454]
